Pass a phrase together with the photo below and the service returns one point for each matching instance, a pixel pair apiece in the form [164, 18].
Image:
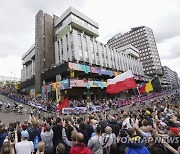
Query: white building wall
[65, 54]
[89, 50]
[57, 60]
[76, 45]
[100, 52]
[94, 53]
[69, 46]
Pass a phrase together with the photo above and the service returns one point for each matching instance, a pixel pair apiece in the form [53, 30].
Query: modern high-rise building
[170, 77]
[66, 48]
[143, 39]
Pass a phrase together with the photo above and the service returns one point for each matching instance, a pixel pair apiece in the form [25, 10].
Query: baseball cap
[148, 112]
[24, 134]
[175, 130]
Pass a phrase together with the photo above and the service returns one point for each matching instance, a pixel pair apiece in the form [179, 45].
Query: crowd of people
[146, 128]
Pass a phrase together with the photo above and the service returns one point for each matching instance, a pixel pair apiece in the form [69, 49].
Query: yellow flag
[71, 73]
[149, 87]
[53, 87]
[58, 94]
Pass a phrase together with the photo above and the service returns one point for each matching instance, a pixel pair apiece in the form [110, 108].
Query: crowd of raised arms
[151, 127]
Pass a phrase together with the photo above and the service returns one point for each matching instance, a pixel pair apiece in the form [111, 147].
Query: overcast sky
[17, 20]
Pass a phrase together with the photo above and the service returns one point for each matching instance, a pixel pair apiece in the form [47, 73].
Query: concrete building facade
[76, 41]
[72, 37]
[143, 39]
[44, 53]
[170, 77]
[28, 62]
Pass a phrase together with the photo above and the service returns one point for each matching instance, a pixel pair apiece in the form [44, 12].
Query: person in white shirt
[25, 146]
[126, 124]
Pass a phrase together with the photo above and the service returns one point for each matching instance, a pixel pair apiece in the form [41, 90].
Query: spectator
[57, 136]
[79, 147]
[109, 139]
[40, 148]
[135, 145]
[60, 149]
[34, 134]
[83, 130]
[3, 134]
[174, 134]
[65, 138]
[126, 121]
[7, 148]
[25, 146]
[114, 125]
[95, 142]
[47, 135]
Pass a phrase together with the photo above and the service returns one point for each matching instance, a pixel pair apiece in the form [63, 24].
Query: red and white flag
[121, 82]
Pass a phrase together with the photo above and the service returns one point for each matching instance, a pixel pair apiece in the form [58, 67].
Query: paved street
[10, 117]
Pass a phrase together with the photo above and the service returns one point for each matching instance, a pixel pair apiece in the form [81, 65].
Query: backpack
[35, 142]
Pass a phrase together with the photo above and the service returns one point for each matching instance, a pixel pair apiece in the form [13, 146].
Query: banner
[138, 99]
[81, 110]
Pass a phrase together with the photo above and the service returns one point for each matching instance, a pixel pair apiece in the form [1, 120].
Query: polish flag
[121, 82]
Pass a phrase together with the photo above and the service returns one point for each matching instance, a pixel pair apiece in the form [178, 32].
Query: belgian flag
[156, 84]
[146, 88]
[153, 85]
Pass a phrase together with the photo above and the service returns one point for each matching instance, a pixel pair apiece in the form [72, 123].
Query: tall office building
[76, 41]
[44, 53]
[171, 78]
[143, 39]
[70, 44]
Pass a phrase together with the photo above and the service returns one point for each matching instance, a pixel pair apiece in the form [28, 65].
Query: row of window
[95, 52]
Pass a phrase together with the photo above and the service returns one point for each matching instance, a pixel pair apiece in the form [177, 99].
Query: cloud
[172, 65]
[17, 24]
[10, 64]
[169, 49]
[167, 25]
[168, 28]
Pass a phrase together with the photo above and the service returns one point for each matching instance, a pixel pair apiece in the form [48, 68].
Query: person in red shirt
[79, 147]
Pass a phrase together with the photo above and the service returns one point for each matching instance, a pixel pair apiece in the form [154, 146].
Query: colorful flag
[121, 82]
[142, 89]
[149, 87]
[71, 73]
[156, 84]
[146, 88]
[62, 104]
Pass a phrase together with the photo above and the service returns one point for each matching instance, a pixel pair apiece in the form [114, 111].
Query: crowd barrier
[141, 98]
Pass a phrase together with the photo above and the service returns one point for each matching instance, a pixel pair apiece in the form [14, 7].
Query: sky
[17, 25]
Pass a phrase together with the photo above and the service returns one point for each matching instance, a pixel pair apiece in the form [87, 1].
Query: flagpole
[138, 91]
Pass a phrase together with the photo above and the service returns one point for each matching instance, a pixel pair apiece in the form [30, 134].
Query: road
[11, 116]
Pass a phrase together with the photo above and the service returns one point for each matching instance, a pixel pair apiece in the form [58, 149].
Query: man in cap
[24, 146]
[174, 136]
